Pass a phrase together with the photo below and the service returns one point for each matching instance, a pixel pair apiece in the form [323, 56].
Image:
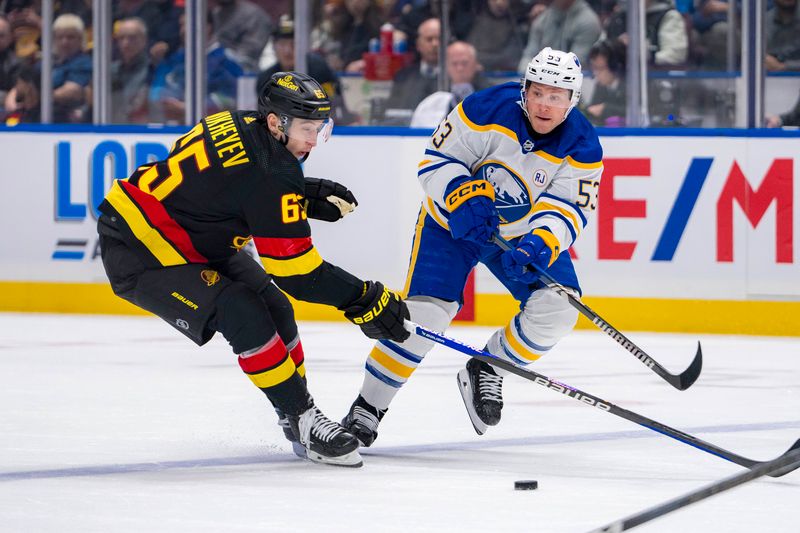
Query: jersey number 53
[587, 190]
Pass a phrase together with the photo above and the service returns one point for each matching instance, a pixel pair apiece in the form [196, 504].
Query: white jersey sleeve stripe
[564, 205]
[562, 222]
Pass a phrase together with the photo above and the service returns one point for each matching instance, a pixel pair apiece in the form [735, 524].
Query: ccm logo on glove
[468, 190]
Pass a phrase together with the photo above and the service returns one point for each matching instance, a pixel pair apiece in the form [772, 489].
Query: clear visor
[558, 98]
[310, 131]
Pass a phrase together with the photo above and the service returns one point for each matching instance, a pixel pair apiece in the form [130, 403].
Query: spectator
[465, 76]
[569, 25]
[790, 118]
[242, 28]
[665, 30]
[352, 27]
[130, 73]
[607, 106]
[82, 8]
[416, 81]
[782, 29]
[27, 92]
[26, 26]
[283, 42]
[710, 21]
[166, 98]
[462, 16]
[72, 70]
[496, 37]
[9, 63]
[160, 18]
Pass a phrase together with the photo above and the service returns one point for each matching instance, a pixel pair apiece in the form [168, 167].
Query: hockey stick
[680, 381]
[594, 401]
[790, 460]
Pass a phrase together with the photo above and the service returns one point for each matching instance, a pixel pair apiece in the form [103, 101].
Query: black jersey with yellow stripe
[225, 182]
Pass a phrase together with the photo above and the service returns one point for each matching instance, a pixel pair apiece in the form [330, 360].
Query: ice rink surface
[120, 424]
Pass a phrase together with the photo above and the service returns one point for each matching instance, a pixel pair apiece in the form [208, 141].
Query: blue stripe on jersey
[433, 167]
[447, 157]
[556, 214]
[511, 355]
[572, 206]
[526, 340]
[386, 379]
[401, 352]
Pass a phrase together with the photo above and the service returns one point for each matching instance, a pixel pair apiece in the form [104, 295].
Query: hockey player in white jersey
[518, 160]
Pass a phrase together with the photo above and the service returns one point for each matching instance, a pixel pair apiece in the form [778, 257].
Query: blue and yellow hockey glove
[473, 215]
[539, 247]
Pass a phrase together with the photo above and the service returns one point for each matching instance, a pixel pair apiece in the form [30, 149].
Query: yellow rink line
[626, 314]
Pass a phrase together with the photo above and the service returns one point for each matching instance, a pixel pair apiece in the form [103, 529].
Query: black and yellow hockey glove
[379, 313]
[328, 200]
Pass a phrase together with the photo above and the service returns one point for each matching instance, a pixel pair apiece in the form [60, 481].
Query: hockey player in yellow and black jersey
[171, 235]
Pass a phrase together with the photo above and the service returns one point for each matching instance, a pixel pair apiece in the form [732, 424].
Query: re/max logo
[776, 188]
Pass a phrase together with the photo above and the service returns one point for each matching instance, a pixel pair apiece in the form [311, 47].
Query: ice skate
[362, 420]
[482, 391]
[298, 449]
[324, 440]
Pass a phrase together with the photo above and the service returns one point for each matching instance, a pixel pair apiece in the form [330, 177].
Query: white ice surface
[120, 424]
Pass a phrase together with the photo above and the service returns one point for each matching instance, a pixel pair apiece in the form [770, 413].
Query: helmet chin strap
[283, 138]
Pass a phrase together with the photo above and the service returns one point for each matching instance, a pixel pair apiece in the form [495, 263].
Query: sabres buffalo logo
[512, 198]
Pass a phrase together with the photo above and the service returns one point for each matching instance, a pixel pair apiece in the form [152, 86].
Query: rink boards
[694, 230]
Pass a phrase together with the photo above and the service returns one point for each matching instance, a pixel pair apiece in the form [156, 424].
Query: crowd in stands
[490, 40]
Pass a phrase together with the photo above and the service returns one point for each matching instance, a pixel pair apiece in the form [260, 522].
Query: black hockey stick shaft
[788, 461]
[681, 381]
[589, 399]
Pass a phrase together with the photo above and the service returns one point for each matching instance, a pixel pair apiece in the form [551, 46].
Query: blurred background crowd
[379, 60]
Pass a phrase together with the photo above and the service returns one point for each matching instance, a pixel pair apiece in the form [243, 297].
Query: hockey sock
[388, 367]
[545, 320]
[272, 370]
[295, 348]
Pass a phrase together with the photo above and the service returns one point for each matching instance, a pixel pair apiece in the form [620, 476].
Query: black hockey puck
[526, 484]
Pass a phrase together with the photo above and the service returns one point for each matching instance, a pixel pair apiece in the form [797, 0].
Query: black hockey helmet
[294, 95]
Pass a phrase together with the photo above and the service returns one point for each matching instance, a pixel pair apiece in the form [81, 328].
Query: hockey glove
[473, 215]
[379, 313]
[328, 200]
[539, 247]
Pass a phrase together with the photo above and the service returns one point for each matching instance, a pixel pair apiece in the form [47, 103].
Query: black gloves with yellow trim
[327, 200]
[379, 313]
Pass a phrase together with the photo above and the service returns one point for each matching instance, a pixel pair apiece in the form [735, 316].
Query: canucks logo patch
[512, 199]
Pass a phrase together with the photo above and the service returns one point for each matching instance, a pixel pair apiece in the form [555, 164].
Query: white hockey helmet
[556, 69]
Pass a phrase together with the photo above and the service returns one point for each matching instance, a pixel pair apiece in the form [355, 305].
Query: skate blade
[299, 450]
[351, 460]
[465, 388]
